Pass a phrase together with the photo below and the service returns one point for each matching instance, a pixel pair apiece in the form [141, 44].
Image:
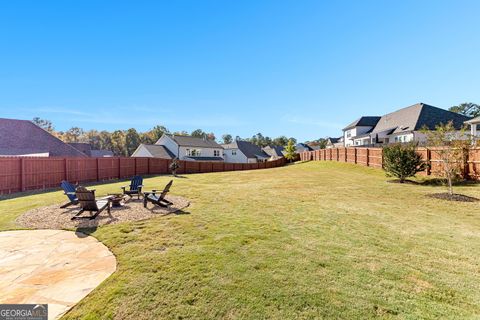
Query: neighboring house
[358, 128]
[86, 148]
[24, 138]
[406, 125]
[275, 152]
[241, 151]
[302, 147]
[473, 124]
[181, 147]
[334, 143]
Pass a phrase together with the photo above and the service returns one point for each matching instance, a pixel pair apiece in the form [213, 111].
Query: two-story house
[181, 147]
[403, 125]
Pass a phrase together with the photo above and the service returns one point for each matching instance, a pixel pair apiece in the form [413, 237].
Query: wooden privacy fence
[34, 173]
[373, 157]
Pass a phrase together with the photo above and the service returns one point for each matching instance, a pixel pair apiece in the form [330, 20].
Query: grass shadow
[442, 182]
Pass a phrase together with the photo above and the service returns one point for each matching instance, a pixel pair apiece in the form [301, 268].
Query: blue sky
[295, 68]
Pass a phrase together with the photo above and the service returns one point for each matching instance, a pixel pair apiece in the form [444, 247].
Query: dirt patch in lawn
[453, 197]
[53, 217]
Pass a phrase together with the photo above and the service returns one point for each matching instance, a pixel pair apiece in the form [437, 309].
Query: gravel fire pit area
[54, 217]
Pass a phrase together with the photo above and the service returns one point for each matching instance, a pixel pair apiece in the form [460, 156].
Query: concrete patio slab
[51, 266]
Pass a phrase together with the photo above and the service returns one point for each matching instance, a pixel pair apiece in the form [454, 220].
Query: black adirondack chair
[158, 200]
[135, 187]
[69, 191]
[87, 201]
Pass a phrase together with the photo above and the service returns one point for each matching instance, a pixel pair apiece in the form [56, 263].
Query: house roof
[21, 137]
[249, 149]
[82, 147]
[86, 148]
[301, 147]
[100, 153]
[158, 151]
[367, 121]
[416, 117]
[274, 151]
[205, 158]
[335, 140]
[189, 141]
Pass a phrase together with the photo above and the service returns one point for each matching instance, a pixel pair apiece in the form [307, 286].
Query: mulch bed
[453, 197]
[53, 217]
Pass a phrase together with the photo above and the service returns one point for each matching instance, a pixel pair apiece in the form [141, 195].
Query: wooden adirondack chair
[135, 187]
[87, 201]
[160, 199]
[69, 191]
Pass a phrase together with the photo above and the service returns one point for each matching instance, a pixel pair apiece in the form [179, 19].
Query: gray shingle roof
[249, 149]
[159, 151]
[205, 158]
[273, 151]
[20, 137]
[100, 153]
[189, 141]
[302, 147]
[416, 117]
[367, 121]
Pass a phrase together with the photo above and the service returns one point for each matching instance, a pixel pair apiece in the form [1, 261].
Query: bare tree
[451, 147]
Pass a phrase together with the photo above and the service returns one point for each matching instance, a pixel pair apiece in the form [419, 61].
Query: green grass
[312, 240]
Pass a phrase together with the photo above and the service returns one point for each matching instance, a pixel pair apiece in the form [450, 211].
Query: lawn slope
[311, 240]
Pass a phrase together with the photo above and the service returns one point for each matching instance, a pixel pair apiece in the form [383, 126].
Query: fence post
[355, 154]
[135, 166]
[148, 166]
[119, 169]
[65, 169]
[368, 157]
[429, 162]
[98, 169]
[22, 174]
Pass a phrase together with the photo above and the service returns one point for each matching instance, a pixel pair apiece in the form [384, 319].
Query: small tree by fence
[451, 148]
[402, 161]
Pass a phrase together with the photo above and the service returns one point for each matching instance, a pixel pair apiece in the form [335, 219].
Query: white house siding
[239, 157]
[142, 152]
[205, 152]
[405, 137]
[169, 144]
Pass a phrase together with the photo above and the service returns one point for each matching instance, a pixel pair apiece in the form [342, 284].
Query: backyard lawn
[311, 240]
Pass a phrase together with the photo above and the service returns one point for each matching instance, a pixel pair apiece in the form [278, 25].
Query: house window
[216, 153]
[194, 152]
[234, 153]
[349, 134]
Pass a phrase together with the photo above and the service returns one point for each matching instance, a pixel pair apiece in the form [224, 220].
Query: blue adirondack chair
[135, 187]
[69, 191]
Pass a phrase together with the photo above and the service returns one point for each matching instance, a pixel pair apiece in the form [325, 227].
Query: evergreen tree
[290, 150]
[402, 161]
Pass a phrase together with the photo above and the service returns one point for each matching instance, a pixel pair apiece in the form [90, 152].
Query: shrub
[402, 161]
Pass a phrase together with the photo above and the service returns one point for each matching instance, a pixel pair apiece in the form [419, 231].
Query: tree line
[125, 142]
